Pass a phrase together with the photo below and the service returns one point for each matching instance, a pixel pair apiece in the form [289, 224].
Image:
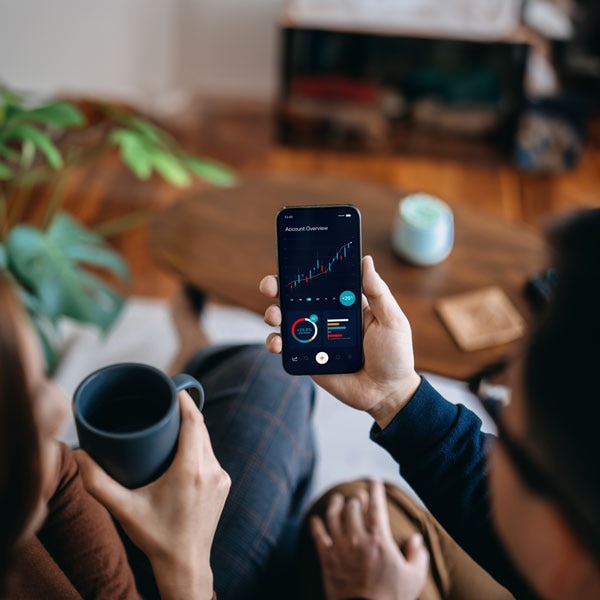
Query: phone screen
[319, 255]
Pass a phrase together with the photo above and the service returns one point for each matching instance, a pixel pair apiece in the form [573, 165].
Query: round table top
[223, 241]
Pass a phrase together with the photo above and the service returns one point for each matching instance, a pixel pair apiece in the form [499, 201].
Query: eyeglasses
[533, 475]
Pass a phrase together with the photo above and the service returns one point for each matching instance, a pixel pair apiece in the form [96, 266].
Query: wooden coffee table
[223, 241]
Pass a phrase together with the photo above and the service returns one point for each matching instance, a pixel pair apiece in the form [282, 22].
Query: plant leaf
[102, 257]
[3, 259]
[104, 304]
[135, 124]
[37, 268]
[84, 246]
[41, 263]
[5, 171]
[65, 229]
[9, 153]
[45, 327]
[133, 152]
[147, 129]
[56, 114]
[145, 147]
[42, 142]
[8, 101]
[27, 154]
[210, 171]
[170, 168]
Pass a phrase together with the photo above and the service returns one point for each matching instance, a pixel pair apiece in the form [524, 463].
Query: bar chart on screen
[337, 329]
[320, 267]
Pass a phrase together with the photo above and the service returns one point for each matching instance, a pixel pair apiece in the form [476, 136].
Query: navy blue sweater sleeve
[441, 451]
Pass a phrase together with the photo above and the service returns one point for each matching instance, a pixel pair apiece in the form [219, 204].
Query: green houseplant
[61, 267]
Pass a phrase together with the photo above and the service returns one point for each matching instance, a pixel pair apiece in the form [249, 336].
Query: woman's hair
[19, 442]
[562, 368]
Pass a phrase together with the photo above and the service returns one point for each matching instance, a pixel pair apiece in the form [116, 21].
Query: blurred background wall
[141, 50]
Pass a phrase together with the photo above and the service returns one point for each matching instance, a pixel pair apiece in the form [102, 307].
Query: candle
[423, 231]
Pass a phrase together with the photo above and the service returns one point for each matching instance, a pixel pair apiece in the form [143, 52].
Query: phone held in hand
[319, 254]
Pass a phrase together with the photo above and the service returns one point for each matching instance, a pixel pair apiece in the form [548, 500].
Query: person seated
[511, 515]
[222, 518]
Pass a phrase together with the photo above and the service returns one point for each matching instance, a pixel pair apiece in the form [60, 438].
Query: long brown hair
[19, 442]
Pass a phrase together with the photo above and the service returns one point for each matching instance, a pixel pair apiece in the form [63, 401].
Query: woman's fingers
[116, 498]
[194, 445]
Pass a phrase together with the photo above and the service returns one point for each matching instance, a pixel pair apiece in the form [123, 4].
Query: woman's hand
[172, 520]
[388, 378]
[358, 555]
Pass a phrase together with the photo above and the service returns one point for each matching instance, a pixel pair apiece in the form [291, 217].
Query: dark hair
[19, 442]
[562, 365]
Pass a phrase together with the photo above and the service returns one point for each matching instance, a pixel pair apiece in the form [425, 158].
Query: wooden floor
[242, 136]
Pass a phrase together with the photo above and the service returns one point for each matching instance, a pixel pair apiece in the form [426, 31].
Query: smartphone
[319, 254]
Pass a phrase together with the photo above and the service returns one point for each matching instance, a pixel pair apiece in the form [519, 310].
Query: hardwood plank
[545, 196]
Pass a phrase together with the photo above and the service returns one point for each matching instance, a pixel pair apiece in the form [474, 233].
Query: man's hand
[172, 520]
[358, 554]
[388, 379]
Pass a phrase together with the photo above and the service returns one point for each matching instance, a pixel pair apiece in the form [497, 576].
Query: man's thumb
[383, 304]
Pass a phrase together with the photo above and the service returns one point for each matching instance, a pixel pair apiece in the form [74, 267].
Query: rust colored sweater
[77, 553]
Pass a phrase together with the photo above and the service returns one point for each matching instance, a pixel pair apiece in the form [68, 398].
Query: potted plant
[61, 267]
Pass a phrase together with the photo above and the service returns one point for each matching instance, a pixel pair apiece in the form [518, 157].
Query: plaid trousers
[258, 418]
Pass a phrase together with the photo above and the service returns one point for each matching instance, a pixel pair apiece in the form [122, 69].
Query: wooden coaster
[481, 319]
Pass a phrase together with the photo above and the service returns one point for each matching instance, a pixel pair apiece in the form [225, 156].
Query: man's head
[546, 505]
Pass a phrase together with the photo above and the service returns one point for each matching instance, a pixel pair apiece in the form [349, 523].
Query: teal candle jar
[423, 230]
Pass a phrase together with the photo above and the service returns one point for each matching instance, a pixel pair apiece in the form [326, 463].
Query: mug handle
[183, 381]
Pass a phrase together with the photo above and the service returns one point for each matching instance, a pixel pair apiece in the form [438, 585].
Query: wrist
[384, 412]
[183, 579]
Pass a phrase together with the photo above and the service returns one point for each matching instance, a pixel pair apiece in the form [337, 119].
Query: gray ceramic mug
[127, 419]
